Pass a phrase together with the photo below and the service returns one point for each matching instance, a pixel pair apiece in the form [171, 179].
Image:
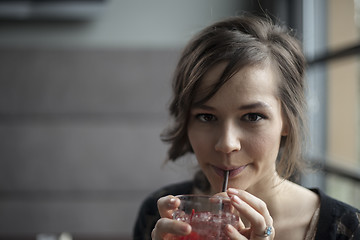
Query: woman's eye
[253, 117]
[205, 117]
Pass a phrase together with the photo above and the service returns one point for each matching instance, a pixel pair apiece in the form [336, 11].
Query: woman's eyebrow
[203, 106]
[258, 104]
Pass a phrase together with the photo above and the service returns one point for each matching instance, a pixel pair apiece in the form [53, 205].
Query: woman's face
[238, 129]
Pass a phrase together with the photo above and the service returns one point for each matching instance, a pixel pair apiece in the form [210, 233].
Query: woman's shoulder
[337, 208]
[337, 218]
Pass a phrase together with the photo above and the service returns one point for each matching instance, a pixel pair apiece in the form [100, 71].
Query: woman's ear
[285, 127]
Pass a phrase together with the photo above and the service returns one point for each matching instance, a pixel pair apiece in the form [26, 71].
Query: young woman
[239, 106]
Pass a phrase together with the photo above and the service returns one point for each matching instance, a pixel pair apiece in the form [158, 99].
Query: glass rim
[201, 196]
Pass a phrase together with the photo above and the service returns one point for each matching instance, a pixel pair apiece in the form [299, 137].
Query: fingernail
[229, 228]
[186, 229]
[236, 199]
[232, 191]
[172, 202]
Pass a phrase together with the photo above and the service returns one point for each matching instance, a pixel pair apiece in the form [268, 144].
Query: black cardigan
[337, 220]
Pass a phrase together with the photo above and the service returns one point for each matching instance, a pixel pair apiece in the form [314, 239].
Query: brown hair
[241, 41]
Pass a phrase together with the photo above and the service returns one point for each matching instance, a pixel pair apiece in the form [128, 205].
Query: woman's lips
[232, 171]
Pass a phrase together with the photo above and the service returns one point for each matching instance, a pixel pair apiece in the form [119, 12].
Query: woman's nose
[228, 141]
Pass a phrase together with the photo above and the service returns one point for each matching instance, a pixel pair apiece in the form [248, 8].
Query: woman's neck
[270, 190]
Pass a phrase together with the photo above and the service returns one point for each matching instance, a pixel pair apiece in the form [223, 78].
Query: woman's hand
[166, 225]
[255, 211]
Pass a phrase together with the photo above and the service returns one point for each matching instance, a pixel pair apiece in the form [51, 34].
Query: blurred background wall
[84, 88]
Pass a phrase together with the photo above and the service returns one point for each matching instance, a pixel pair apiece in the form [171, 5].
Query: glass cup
[207, 215]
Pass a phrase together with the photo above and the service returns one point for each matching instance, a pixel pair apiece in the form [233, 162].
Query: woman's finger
[165, 226]
[258, 222]
[253, 201]
[166, 205]
[254, 210]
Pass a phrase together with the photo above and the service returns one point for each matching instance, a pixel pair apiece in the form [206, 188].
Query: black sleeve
[146, 219]
[337, 220]
[348, 226]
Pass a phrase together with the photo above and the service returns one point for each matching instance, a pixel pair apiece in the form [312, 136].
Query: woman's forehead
[253, 73]
[209, 81]
[213, 75]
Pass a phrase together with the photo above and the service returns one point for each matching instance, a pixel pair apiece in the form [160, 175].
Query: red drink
[207, 217]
